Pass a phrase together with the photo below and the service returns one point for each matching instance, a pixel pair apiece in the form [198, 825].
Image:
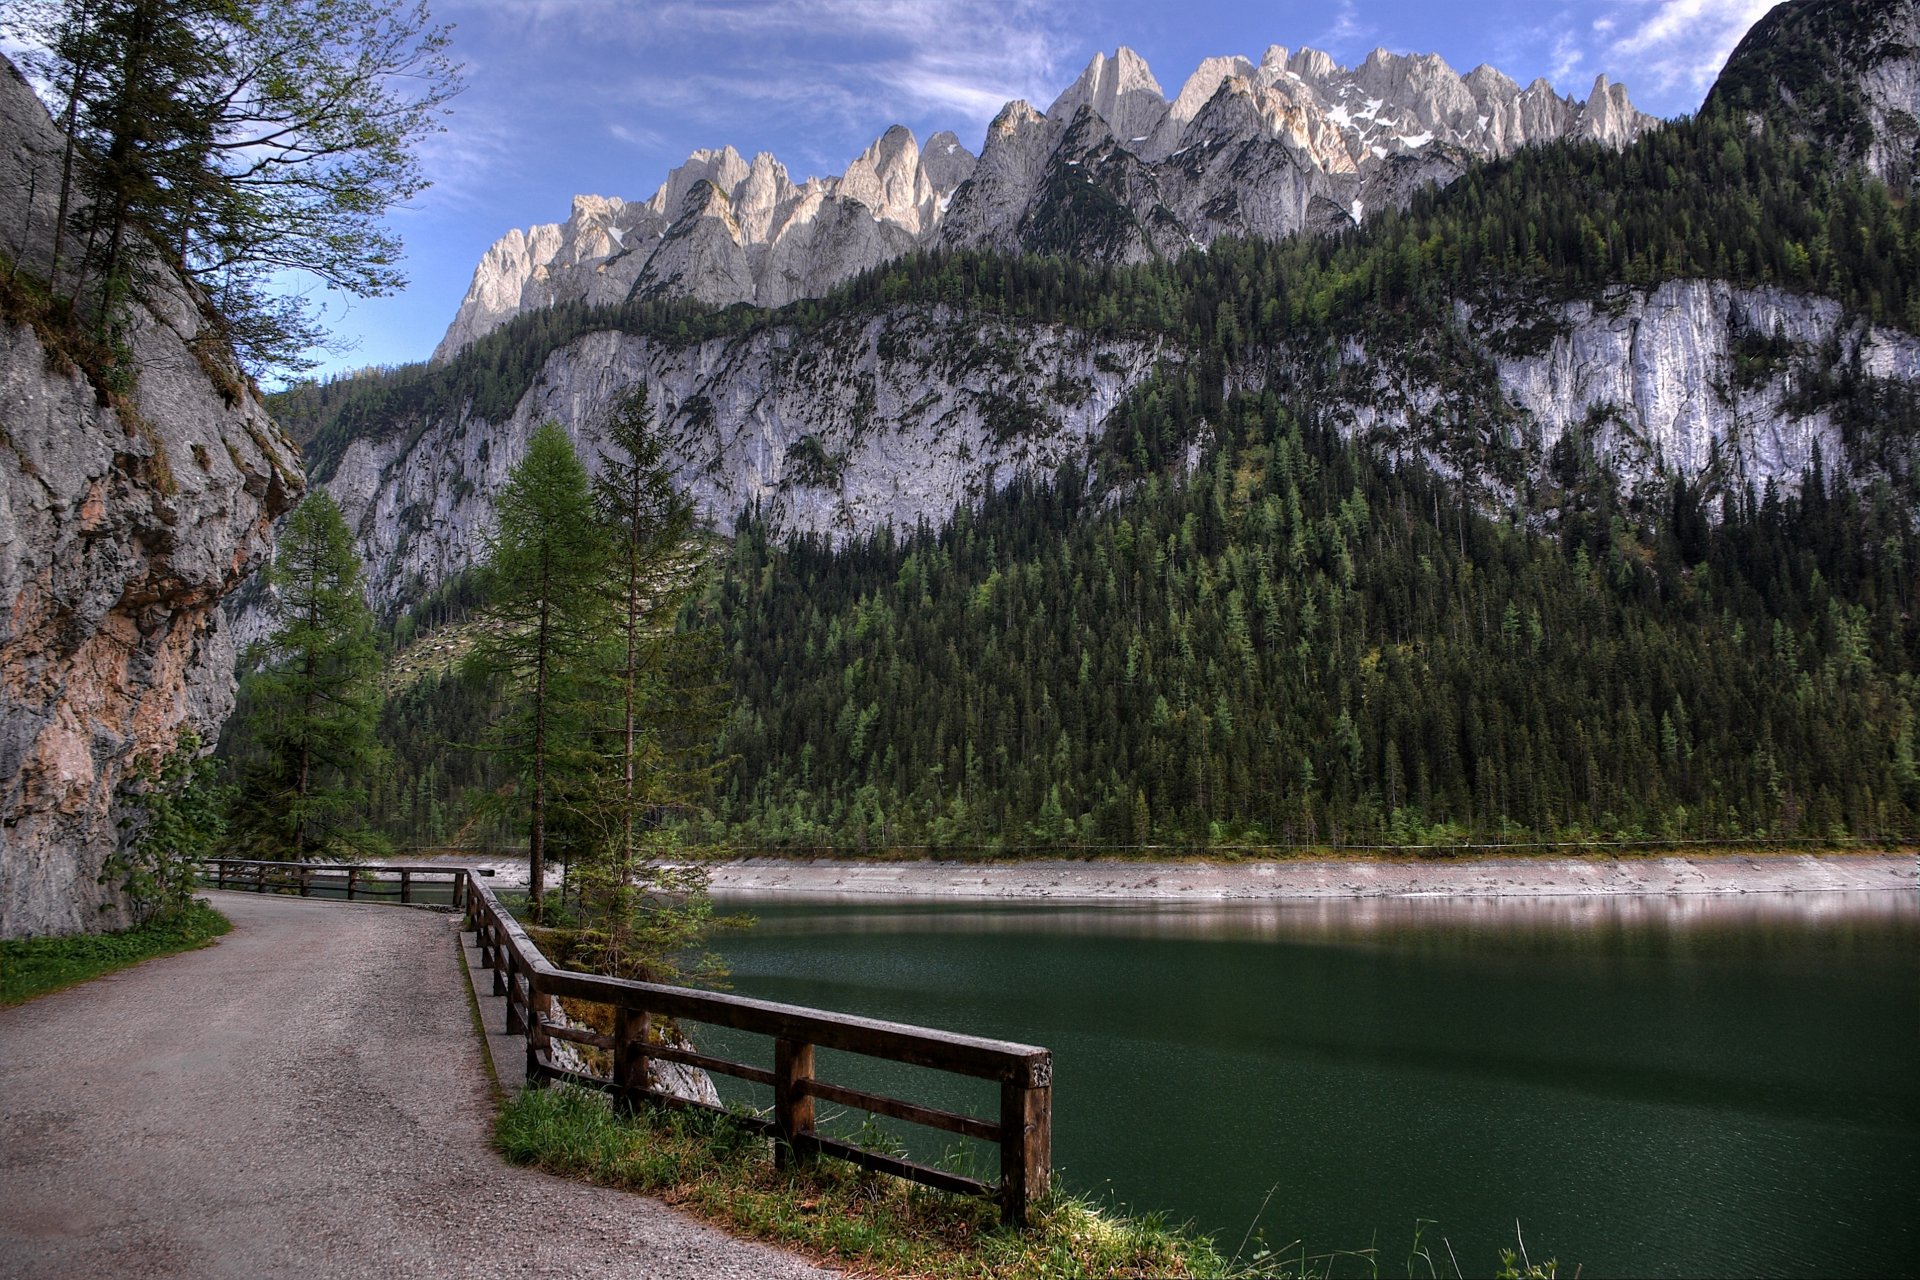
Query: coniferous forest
[1303, 643]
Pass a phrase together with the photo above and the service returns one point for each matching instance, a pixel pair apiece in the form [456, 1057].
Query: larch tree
[315, 700]
[662, 698]
[544, 618]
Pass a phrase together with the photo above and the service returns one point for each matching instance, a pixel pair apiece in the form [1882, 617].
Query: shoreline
[1320, 879]
[1112, 880]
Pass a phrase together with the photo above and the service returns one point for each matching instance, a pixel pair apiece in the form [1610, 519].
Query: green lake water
[1670, 1086]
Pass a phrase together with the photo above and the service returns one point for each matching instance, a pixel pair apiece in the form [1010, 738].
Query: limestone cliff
[1698, 379]
[876, 420]
[124, 520]
[897, 416]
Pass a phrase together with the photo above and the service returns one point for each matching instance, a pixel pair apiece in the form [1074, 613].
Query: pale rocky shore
[1220, 881]
[1200, 881]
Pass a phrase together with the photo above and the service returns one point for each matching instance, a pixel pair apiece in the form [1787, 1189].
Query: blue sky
[604, 96]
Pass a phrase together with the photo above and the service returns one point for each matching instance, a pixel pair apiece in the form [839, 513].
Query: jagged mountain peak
[1121, 90]
[1298, 142]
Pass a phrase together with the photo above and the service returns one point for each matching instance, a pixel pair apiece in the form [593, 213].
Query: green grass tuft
[31, 967]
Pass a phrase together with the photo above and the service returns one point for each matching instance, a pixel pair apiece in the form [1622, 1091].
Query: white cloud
[1567, 57]
[1681, 44]
[635, 136]
[879, 58]
[1346, 30]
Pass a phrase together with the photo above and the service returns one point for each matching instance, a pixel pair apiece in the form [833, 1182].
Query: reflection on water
[1670, 1085]
[1351, 919]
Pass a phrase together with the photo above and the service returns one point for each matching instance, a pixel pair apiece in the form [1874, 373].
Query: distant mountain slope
[1112, 172]
[1578, 498]
[1845, 72]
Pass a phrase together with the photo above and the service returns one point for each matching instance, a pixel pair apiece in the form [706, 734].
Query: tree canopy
[236, 141]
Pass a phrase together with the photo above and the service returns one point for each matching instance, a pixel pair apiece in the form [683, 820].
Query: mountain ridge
[1335, 141]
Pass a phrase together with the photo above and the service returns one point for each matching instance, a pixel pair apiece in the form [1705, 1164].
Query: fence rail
[532, 986]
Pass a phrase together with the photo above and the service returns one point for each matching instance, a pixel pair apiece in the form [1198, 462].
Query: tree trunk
[537, 807]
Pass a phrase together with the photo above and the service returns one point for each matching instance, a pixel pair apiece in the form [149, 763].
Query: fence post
[353, 873]
[630, 1028]
[306, 881]
[792, 1104]
[536, 1029]
[502, 972]
[516, 1020]
[220, 873]
[406, 886]
[1026, 1139]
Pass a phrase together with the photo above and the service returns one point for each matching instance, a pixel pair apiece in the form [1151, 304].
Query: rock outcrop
[1111, 172]
[1698, 379]
[124, 521]
[872, 421]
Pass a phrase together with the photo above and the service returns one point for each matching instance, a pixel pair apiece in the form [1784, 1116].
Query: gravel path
[269, 1107]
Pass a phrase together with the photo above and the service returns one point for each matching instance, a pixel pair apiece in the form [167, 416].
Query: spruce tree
[233, 141]
[315, 703]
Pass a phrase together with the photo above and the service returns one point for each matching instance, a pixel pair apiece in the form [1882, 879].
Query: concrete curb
[506, 1053]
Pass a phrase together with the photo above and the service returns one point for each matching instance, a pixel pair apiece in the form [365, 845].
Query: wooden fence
[410, 885]
[532, 986]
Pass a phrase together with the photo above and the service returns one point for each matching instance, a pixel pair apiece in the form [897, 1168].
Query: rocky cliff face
[900, 416]
[122, 525]
[1111, 172]
[883, 420]
[1697, 379]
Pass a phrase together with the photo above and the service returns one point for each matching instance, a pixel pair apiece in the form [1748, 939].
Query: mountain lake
[1666, 1086]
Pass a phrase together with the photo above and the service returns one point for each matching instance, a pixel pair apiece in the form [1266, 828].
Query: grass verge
[878, 1225]
[31, 967]
[874, 1223]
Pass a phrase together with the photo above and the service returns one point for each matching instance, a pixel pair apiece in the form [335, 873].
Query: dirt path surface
[268, 1107]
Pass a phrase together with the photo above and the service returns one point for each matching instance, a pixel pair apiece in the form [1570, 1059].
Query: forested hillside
[1236, 620]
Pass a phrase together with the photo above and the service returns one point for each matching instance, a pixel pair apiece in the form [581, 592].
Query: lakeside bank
[1517, 877]
[1201, 880]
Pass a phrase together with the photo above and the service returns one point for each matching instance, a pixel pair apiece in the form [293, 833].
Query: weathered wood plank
[899, 1042]
[725, 1066]
[925, 1175]
[577, 1035]
[932, 1117]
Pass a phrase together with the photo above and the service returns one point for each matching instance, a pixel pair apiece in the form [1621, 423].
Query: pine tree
[314, 705]
[544, 614]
